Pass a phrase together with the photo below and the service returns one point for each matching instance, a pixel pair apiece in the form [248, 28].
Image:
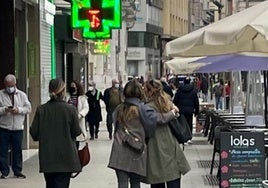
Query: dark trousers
[123, 178]
[170, 184]
[13, 140]
[109, 122]
[93, 128]
[189, 119]
[227, 102]
[57, 179]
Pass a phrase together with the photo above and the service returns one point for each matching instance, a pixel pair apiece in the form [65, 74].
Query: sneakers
[3, 177]
[20, 176]
[190, 142]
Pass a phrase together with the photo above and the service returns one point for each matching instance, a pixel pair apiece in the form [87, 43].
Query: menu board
[242, 159]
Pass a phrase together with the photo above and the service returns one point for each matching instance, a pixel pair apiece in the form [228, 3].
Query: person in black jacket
[94, 116]
[204, 88]
[187, 101]
[166, 87]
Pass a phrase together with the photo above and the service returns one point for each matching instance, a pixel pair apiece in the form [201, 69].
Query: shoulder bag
[132, 141]
[180, 129]
[84, 157]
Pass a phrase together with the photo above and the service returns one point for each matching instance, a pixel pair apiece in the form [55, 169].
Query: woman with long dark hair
[78, 99]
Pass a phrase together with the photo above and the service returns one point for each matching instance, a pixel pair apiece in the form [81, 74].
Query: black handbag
[180, 129]
[132, 141]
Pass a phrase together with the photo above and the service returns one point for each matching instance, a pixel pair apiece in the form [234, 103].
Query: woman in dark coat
[187, 101]
[94, 116]
[56, 126]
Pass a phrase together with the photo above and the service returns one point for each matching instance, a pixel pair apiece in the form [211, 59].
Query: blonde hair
[56, 88]
[154, 93]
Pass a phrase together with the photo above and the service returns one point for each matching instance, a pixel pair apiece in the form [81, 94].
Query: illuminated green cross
[96, 18]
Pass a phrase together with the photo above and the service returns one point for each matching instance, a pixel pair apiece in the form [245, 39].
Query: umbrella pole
[265, 97]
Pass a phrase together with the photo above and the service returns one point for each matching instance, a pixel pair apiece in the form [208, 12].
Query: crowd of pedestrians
[140, 110]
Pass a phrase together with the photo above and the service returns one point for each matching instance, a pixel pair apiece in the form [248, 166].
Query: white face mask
[10, 90]
[116, 86]
[90, 88]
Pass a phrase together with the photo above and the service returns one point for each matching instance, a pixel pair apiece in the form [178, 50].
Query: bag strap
[74, 175]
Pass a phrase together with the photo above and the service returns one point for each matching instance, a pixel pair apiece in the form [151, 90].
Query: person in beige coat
[78, 98]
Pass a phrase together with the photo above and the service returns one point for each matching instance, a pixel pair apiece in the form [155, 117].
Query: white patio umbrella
[183, 65]
[246, 31]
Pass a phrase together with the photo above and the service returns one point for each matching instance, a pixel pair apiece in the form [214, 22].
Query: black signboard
[242, 159]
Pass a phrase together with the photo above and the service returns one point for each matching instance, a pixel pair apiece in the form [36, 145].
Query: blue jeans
[218, 103]
[170, 184]
[13, 140]
[123, 177]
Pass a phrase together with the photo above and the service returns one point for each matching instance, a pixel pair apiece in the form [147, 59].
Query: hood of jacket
[186, 88]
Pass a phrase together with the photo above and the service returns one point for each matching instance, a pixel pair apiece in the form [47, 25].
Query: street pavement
[98, 175]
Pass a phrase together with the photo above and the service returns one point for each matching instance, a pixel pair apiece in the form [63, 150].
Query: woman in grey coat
[139, 119]
[166, 160]
[56, 126]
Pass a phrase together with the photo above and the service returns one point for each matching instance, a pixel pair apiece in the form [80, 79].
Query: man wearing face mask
[14, 105]
[112, 97]
[94, 116]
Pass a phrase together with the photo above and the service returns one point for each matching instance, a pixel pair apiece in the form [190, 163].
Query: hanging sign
[96, 18]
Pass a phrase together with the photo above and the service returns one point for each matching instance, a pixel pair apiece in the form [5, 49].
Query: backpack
[218, 90]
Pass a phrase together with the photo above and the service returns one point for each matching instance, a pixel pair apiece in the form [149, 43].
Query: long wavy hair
[80, 90]
[154, 93]
[126, 111]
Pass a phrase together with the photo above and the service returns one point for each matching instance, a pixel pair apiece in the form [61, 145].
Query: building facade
[20, 50]
[143, 52]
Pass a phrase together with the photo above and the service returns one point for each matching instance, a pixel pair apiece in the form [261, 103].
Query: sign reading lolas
[96, 18]
[242, 159]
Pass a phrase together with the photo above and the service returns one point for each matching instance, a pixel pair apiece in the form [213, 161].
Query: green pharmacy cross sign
[96, 18]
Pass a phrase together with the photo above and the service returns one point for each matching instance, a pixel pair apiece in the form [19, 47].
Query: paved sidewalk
[97, 175]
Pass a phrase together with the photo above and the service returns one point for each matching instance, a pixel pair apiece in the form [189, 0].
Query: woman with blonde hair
[134, 117]
[166, 161]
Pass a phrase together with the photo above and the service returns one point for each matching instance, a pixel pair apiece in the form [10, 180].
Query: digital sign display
[96, 18]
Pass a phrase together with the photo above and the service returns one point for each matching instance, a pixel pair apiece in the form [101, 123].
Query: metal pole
[265, 78]
[247, 3]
